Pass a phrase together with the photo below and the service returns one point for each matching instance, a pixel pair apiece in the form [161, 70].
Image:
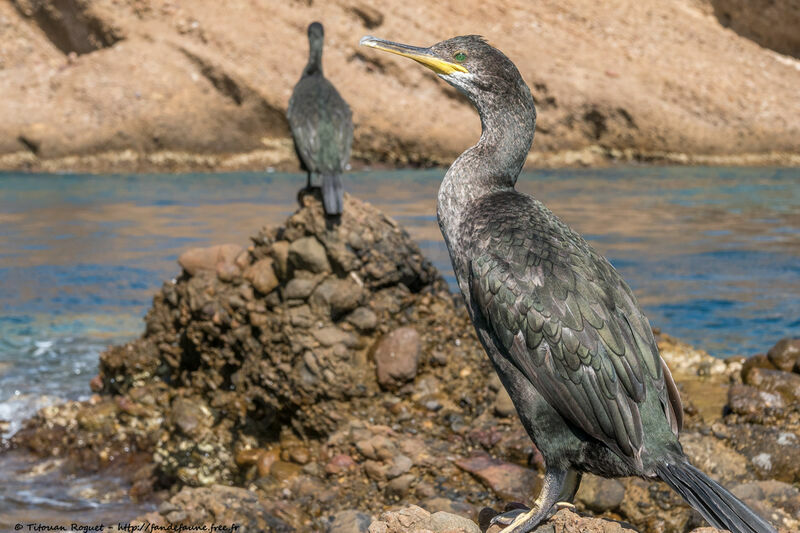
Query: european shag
[561, 327]
[321, 124]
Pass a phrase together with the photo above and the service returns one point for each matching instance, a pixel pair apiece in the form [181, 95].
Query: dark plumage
[560, 325]
[321, 124]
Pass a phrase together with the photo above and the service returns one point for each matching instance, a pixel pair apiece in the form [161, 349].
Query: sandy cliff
[143, 84]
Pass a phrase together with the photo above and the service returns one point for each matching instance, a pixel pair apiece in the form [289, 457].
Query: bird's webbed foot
[525, 520]
[506, 518]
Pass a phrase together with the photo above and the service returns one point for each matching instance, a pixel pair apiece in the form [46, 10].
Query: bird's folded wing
[342, 119]
[568, 322]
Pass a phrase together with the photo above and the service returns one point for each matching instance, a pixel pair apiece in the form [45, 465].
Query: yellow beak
[420, 55]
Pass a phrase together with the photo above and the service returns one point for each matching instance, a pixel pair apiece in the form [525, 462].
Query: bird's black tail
[719, 507]
[332, 192]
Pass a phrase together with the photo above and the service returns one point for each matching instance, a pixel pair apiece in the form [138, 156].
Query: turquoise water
[713, 254]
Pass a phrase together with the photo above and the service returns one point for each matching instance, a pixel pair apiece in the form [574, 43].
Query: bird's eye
[460, 56]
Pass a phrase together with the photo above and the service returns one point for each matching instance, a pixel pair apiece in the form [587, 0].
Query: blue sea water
[713, 254]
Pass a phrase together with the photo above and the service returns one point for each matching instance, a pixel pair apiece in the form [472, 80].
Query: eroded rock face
[148, 85]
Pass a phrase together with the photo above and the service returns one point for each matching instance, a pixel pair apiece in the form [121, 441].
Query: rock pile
[764, 419]
[324, 379]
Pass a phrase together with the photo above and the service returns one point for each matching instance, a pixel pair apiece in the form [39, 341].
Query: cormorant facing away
[321, 124]
[562, 329]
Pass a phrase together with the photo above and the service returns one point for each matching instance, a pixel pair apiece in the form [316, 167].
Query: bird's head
[469, 63]
[315, 32]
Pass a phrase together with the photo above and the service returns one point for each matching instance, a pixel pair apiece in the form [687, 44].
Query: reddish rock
[340, 463]
[397, 356]
[509, 481]
[212, 259]
[96, 383]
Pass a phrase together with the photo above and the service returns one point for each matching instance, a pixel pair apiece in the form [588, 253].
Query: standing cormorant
[321, 124]
[562, 329]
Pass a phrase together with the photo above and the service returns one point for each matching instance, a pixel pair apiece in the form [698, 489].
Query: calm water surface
[713, 254]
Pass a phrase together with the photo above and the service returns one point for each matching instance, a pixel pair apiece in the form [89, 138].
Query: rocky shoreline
[282, 158]
[324, 379]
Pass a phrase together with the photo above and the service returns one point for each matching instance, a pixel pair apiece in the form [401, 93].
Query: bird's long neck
[508, 120]
[314, 65]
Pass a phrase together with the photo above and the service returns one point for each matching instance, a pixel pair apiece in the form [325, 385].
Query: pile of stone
[323, 378]
[764, 419]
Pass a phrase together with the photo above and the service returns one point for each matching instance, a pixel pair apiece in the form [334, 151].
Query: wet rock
[785, 354]
[786, 384]
[221, 257]
[600, 494]
[308, 254]
[350, 521]
[509, 481]
[397, 356]
[262, 275]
